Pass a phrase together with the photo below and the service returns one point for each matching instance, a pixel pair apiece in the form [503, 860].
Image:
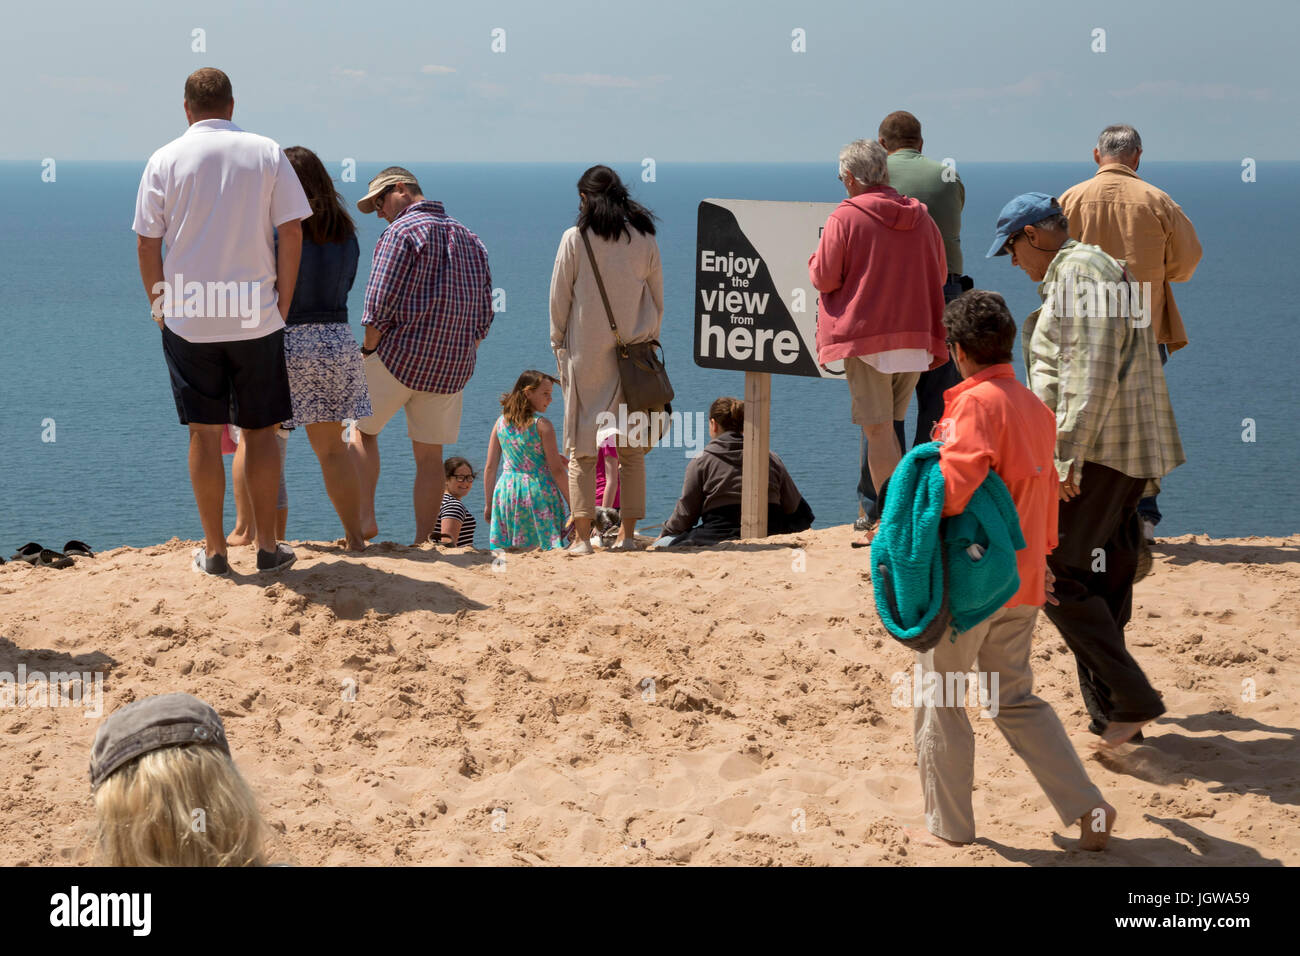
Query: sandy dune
[502, 713]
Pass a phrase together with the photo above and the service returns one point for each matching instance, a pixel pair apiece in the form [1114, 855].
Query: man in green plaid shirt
[1091, 356]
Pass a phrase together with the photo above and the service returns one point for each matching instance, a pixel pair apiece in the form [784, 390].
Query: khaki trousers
[945, 743]
[631, 483]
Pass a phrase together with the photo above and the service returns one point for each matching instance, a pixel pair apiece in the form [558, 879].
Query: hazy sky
[677, 81]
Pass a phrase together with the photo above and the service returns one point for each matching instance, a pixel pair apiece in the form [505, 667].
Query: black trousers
[1100, 539]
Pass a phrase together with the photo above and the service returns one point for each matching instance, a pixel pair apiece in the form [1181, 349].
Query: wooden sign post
[755, 469]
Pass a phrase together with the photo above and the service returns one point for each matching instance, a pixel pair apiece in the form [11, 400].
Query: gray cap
[168, 720]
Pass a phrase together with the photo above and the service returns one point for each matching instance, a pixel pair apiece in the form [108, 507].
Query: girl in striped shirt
[455, 522]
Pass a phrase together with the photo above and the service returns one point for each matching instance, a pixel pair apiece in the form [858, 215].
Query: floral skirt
[327, 381]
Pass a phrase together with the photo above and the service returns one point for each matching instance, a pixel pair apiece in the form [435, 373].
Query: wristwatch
[366, 351]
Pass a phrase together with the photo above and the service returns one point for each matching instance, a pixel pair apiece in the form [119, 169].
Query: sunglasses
[469, 477]
[1010, 247]
[383, 194]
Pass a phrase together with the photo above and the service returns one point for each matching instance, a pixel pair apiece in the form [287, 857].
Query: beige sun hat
[366, 204]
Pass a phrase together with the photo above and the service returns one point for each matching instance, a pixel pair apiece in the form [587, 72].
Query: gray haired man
[1135, 222]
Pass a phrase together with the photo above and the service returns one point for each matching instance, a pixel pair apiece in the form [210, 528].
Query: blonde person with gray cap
[428, 306]
[155, 766]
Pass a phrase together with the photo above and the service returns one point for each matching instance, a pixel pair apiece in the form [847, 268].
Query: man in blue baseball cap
[1027, 209]
[1091, 356]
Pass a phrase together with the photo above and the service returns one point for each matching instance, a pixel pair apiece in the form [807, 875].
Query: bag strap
[600, 284]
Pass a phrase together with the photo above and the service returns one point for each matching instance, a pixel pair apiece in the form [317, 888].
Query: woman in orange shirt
[991, 421]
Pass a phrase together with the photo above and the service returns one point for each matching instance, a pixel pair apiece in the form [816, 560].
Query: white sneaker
[578, 548]
[1149, 531]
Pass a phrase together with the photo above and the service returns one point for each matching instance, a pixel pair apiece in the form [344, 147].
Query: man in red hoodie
[880, 269]
[993, 423]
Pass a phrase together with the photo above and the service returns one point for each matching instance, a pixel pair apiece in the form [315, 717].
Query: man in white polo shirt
[230, 208]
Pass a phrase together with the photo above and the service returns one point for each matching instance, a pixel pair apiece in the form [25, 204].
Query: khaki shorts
[878, 397]
[431, 418]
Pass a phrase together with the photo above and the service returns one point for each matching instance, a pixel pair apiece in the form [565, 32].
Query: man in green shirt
[935, 184]
[940, 188]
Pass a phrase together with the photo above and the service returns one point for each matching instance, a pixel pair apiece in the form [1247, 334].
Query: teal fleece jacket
[914, 544]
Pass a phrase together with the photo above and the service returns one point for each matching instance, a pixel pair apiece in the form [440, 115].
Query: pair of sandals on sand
[40, 557]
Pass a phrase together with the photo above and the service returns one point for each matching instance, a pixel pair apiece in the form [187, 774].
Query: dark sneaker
[269, 562]
[215, 565]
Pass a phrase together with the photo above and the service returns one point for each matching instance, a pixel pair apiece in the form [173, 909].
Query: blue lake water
[79, 348]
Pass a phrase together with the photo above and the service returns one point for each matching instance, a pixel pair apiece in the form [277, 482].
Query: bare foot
[358, 545]
[919, 834]
[370, 529]
[1095, 827]
[238, 538]
[1117, 733]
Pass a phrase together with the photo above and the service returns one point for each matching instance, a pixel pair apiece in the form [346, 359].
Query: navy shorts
[243, 382]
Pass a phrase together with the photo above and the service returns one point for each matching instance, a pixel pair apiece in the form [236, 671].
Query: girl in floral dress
[526, 507]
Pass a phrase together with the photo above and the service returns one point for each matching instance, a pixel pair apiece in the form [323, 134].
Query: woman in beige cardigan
[622, 240]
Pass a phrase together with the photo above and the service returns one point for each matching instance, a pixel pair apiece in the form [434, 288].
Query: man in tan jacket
[1141, 225]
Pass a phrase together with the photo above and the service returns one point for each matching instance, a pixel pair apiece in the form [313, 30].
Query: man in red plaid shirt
[428, 306]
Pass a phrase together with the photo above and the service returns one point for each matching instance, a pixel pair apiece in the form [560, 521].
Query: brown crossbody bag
[641, 365]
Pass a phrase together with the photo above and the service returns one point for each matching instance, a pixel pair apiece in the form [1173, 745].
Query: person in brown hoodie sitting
[711, 491]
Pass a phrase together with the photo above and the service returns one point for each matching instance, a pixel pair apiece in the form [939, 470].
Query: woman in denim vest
[326, 379]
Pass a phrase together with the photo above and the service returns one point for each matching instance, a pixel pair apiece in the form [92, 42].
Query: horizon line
[1235, 160]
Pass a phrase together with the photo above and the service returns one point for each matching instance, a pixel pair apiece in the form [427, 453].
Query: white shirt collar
[212, 124]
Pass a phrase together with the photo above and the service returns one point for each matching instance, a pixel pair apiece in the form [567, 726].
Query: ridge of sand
[502, 714]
